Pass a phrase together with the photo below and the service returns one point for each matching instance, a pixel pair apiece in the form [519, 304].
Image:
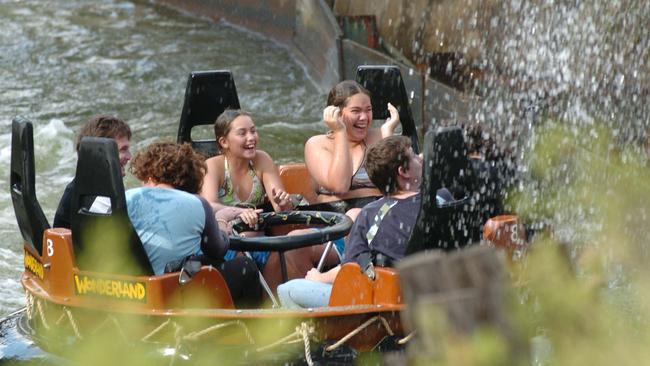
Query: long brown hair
[340, 93]
[224, 121]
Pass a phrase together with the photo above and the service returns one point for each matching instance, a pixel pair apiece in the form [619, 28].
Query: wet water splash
[575, 61]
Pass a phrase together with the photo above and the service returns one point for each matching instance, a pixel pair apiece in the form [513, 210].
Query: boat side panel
[386, 287]
[55, 277]
[58, 260]
[351, 287]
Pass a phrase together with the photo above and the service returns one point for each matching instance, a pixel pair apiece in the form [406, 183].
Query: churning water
[63, 61]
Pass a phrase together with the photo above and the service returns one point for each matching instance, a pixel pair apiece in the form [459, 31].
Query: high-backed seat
[454, 224]
[296, 180]
[353, 287]
[450, 162]
[31, 220]
[385, 84]
[207, 95]
[103, 242]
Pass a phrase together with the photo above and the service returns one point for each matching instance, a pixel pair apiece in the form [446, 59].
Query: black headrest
[385, 85]
[103, 242]
[207, 95]
[450, 163]
[31, 220]
[451, 225]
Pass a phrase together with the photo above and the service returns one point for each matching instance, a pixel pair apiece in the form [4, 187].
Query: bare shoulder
[262, 158]
[318, 142]
[215, 163]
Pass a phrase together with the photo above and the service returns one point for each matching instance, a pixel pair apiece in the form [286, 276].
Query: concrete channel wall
[311, 31]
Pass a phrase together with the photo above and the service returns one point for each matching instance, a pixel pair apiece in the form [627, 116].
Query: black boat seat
[29, 214]
[451, 164]
[385, 84]
[452, 225]
[207, 95]
[104, 243]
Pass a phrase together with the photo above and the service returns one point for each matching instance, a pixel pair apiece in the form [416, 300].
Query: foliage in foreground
[580, 294]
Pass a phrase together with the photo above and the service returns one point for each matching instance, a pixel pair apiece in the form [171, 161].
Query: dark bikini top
[360, 178]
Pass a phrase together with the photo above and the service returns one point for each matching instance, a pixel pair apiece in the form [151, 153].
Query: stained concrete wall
[417, 27]
[310, 30]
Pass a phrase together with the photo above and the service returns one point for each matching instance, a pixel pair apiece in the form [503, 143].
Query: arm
[327, 277]
[388, 128]
[279, 198]
[214, 242]
[331, 168]
[212, 181]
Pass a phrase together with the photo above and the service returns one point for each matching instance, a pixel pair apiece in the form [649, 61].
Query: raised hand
[282, 199]
[332, 118]
[388, 128]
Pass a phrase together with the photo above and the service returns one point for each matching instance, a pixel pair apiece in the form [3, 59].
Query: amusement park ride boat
[74, 292]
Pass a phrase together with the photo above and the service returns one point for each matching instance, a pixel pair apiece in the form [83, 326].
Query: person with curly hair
[174, 222]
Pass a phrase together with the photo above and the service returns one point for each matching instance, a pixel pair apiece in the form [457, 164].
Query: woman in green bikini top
[228, 196]
[242, 178]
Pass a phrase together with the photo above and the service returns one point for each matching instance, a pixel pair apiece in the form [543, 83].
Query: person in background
[336, 160]
[485, 163]
[241, 180]
[98, 126]
[382, 228]
[174, 222]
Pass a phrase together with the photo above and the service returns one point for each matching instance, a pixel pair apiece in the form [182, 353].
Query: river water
[63, 61]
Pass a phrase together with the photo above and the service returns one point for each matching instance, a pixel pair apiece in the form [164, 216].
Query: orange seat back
[505, 231]
[296, 180]
[387, 289]
[206, 289]
[351, 287]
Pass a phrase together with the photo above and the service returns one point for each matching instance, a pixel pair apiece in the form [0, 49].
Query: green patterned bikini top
[227, 194]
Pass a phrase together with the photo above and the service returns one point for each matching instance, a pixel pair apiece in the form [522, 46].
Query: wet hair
[224, 121]
[104, 126]
[340, 93]
[383, 160]
[170, 163]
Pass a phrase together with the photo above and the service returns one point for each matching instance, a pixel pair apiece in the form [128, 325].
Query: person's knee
[284, 294]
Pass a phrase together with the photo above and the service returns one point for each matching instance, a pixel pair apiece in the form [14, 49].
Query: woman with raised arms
[336, 160]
